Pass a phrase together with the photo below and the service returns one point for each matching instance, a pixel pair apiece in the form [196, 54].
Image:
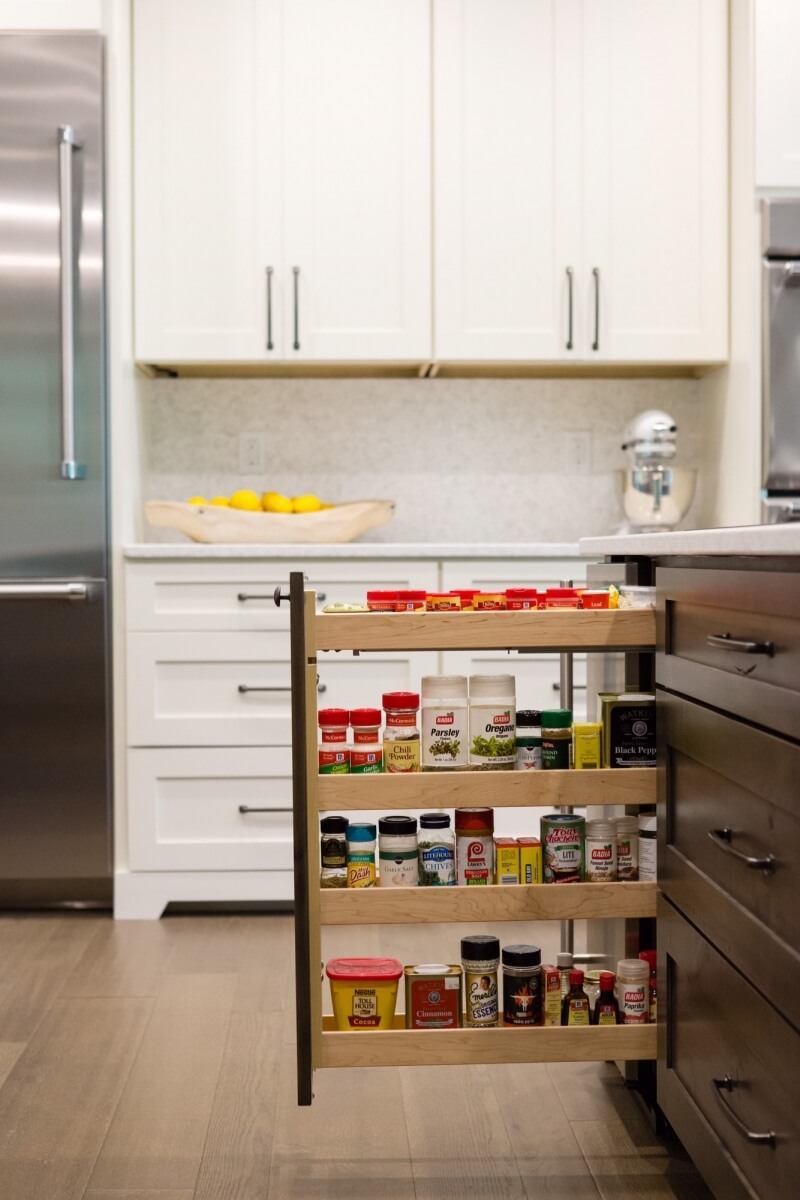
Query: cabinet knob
[278, 595]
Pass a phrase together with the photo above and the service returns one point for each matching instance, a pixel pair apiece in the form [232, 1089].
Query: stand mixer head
[655, 495]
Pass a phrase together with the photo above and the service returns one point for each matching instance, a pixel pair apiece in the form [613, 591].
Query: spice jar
[633, 991]
[361, 854]
[436, 846]
[575, 1005]
[334, 753]
[627, 848]
[442, 602]
[556, 739]
[474, 846]
[522, 985]
[366, 753]
[401, 736]
[445, 716]
[647, 846]
[529, 740]
[480, 958]
[492, 722]
[381, 601]
[522, 599]
[410, 601]
[333, 851]
[606, 1008]
[601, 852]
[397, 852]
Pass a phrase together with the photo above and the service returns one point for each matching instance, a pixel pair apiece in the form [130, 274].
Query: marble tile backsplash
[466, 460]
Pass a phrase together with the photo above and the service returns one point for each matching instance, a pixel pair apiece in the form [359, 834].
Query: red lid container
[333, 716]
[649, 956]
[410, 595]
[365, 716]
[576, 979]
[373, 595]
[606, 981]
[400, 700]
[355, 969]
[521, 593]
[474, 820]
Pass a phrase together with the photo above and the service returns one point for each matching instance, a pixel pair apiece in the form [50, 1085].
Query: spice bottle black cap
[434, 821]
[479, 946]
[529, 718]
[398, 825]
[334, 824]
[521, 956]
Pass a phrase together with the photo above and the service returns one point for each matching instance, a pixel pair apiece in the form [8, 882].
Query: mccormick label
[366, 760]
[492, 733]
[475, 859]
[551, 980]
[444, 738]
[433, 997]
[401, 757]
[562, 843]
[334, 761]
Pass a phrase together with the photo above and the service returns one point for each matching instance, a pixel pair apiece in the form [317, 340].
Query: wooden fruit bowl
[215, 524]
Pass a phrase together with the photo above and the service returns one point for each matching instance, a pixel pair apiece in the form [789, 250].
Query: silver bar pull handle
[244, 688]
[596, 274]
[758, 1139]
[270, 343]
[724, 641]
[44, 591]
[68, 141]
[245, 808]
[723, 838]
[296, 274]
[569, 307]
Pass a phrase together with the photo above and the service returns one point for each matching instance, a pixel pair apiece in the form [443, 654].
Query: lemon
[197, 500]
[221, 501]
[274, 502]
[329, 506]
[245, 499]
[306, 504]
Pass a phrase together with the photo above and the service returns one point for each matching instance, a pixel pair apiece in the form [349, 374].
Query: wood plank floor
[155, 1061]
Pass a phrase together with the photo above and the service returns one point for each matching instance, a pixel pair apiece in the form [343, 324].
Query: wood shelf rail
[451, 1047]
[506, 902]
[498, 789]
[554, 630]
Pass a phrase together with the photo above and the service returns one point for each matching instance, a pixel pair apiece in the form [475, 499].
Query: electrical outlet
[251, 453]
[578, 451]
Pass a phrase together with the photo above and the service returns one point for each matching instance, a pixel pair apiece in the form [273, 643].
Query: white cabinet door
[506, 179]
[356, 194]
[777, 33]
[655, 180]
[207, 129]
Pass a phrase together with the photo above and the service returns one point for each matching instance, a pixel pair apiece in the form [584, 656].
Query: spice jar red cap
[475, 820]
[401, 699]
[607, 981]
[365, 716]
[333, 716]
[380, 595]
[575, 978]
[410, 595]
[649, 957]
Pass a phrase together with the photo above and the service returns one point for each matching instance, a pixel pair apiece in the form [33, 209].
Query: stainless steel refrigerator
[780, 244]
[55, 761]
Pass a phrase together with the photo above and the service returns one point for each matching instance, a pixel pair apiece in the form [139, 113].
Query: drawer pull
[277, 596]
[724, 641]
[244, 596]
[244, 688]
[758, 1139]
[245, 808]
[722, 838]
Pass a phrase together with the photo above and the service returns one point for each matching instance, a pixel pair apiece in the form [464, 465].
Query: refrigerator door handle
[44, 591]
[68, 141]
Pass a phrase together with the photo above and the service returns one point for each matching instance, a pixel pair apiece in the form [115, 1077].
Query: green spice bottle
[556, 739]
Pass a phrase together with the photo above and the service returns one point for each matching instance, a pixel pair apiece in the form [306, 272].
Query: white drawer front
[184, 810]
[497, 574]
[351, 682]
[186, 689]
[238, 596]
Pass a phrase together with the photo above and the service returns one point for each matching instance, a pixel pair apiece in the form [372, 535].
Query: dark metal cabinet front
[727, 1072]
[729, 856]
[731, 639]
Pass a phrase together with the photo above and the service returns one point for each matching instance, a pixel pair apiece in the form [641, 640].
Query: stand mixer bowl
[656, 496]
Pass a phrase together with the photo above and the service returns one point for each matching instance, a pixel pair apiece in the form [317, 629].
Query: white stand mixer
[655, 495]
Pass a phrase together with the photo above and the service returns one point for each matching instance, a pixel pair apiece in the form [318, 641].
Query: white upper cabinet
[777, 132]
[580, 180]
[282, 167]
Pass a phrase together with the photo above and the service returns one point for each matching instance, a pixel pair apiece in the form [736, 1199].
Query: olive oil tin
[629, 729]
[434, 996]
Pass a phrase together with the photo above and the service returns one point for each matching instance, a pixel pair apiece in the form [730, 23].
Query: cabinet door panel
[357, 179]
[203, 79]
[655, 183]
[507, 193]
[777, 26]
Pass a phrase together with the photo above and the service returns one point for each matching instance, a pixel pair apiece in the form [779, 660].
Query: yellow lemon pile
[271, 502]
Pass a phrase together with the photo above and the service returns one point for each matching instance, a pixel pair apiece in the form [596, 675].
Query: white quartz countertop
[370, 550]
[741, 539]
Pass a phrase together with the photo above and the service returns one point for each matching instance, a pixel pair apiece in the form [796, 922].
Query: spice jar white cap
[648, 823]
[492, 686]
[626, 824]
[444, 687]
[633, 969]
[431, 969]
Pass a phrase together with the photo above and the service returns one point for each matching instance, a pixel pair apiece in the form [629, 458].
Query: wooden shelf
[498, 789]
[511, 902]
[552, 629]
[401, 1047]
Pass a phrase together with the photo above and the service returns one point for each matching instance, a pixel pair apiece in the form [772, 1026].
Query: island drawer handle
[724, 641]
[722, 839]
[758, 1139]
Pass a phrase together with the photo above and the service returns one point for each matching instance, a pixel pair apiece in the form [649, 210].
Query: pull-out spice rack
[318, 1043]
